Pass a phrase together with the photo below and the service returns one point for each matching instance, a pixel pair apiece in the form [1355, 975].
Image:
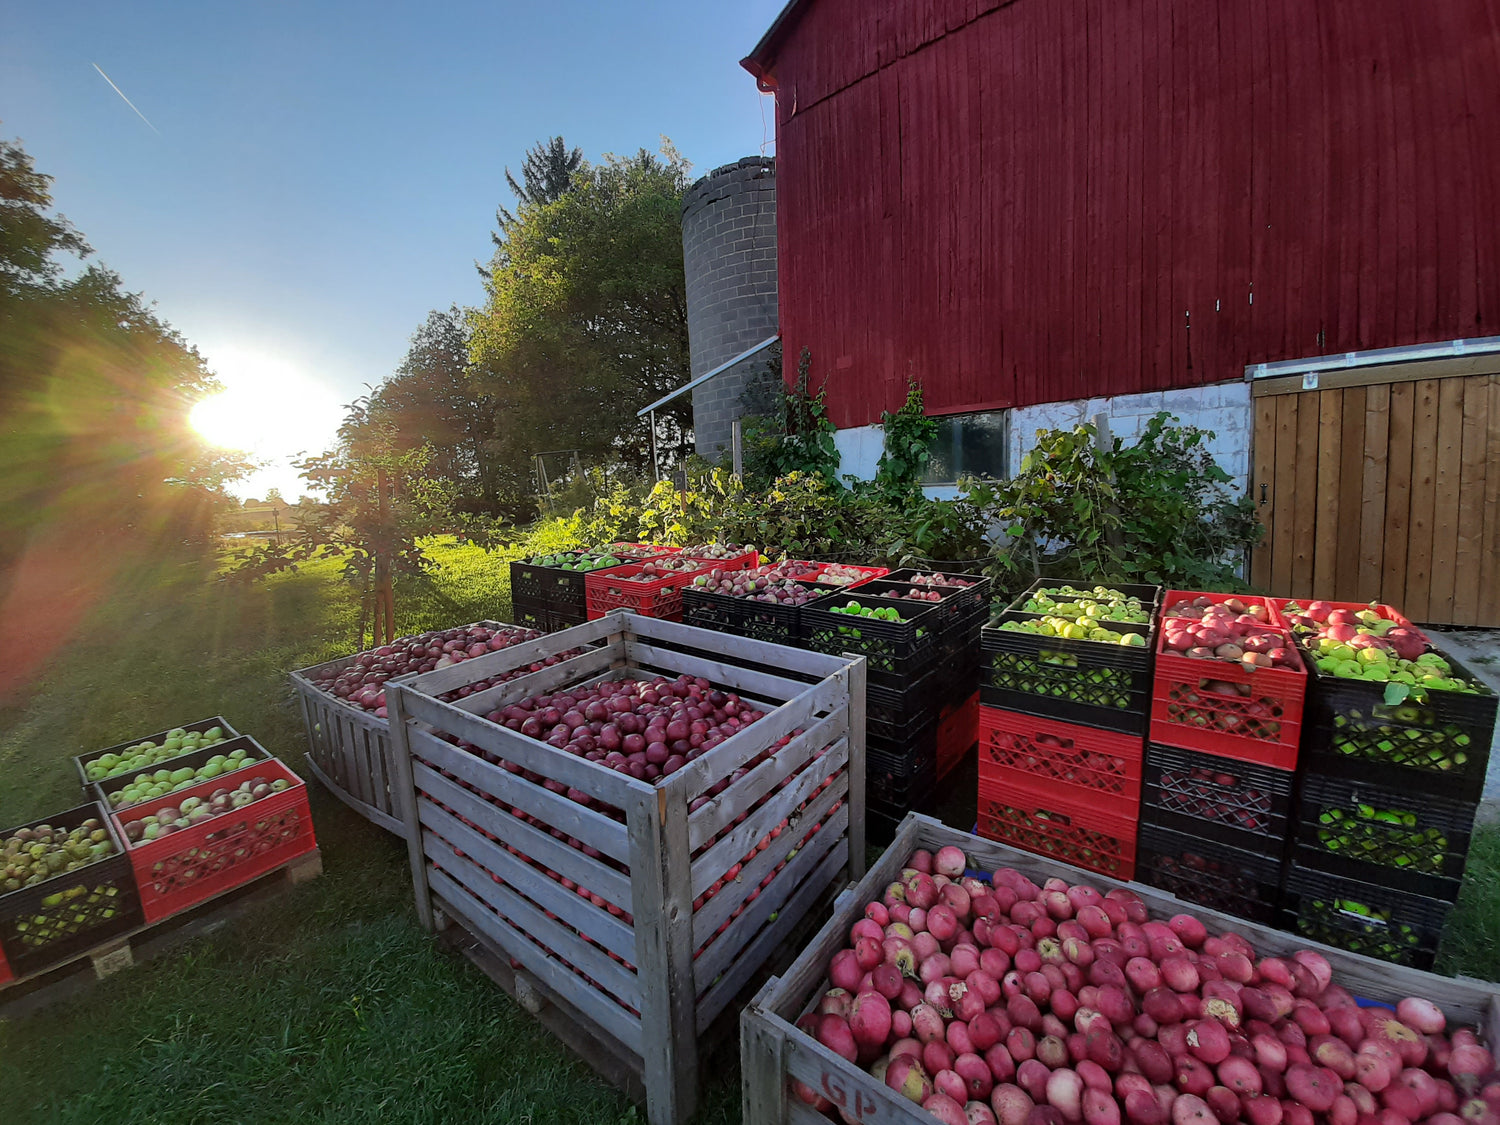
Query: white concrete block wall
[1223, 408]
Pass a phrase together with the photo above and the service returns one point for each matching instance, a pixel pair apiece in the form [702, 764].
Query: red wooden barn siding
[1050, 199]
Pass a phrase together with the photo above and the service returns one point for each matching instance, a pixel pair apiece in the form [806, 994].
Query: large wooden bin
[773, 1052]
[619, 932]
[348, 749]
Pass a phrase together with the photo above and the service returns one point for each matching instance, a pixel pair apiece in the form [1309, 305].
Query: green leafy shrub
[1158, 511]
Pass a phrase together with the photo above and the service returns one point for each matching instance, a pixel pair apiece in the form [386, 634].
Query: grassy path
[327, 1003]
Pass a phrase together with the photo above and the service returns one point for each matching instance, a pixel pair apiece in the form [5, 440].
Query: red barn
[1054, 201]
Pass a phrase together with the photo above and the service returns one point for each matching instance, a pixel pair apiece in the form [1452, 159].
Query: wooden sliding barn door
[1383, 485]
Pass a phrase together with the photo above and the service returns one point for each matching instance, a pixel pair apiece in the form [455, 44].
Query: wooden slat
[740, 797]
[858, 673]
[1424, 435]
[543, 847]
[1449, 441]
[1372, 494]
[1489, 559]
[717, 910]
[443, 680]
[593, 828]
[789, 912]
[742, 649]
[563, 673]
[559, 940]
[1326, 500]
[612, 1019]
[746, 681]
[827, 849]
[1351, 481]
[762, 1070]
[1468, 548]
[701, 774]
[1284, 496]
[1397, 496]
[1261, 483]
[1305, 508]
[598, 923]
[1457, 367]
[597, 781]
[712, 864]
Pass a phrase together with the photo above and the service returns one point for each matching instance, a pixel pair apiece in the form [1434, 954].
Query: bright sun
[267, 409]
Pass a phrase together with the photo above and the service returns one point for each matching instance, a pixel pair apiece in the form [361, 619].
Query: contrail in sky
[126, 100]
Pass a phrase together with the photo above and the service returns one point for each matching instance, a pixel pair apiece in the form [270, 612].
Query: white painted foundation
[1223, 408]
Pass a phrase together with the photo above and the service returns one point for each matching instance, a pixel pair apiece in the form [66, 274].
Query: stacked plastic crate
[923, 670]
[1391, 774]
[1217, 795]
[548, 594]
[1065, 697]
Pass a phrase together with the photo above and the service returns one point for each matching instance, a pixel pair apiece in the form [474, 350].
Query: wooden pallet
[27, 994]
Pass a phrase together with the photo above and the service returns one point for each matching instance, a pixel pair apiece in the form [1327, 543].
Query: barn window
[968, 445]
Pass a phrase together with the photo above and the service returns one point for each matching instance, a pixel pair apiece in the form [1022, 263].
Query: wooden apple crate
[773, 1052]
[348, 749]
[635, 975]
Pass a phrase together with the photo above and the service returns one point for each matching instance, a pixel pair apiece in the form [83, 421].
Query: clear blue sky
[326, 173]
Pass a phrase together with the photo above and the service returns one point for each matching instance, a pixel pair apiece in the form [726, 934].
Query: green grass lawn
[327, 1003]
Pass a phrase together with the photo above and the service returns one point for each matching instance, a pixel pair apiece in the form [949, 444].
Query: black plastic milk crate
[956, 602]
[73, 911]
[1242, 804]
[530, 582]
[895, 715]
[531, 613]
[82, 761]
[1440, 745]
[902, 778]
[1089, 683]
[1378, 921]
[961, 637]
[1400, 838]
[1237, 881]
[760, 621]
[896, 652]
[1150, 596]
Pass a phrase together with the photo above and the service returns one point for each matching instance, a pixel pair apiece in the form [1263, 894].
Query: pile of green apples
[1079, 629]
[31, 855]
[195, 810]
[150, 786]
[571, 560]
[1379, 934]
[134, 759]
[1390, 837]
[854, 609]
[1057, 675]
[1101, 602]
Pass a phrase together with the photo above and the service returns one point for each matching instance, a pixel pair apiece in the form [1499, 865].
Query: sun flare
[268, 409]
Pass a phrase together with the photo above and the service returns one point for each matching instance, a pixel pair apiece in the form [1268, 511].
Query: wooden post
[405, 789]
[858, 675]
[655, 465]
[762, 1065]
[384, 631]
[662, 900]
[737, 446]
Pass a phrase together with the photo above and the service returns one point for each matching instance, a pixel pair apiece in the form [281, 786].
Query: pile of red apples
[1228, 630]
[1009, 1003]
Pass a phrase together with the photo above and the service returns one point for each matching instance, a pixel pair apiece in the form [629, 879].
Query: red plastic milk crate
[1083, 763]
[1243, 713]
[619, 588]
[815, 574]
[193, 865]
[1281, 618]
[1086, 832]
[958, 728]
